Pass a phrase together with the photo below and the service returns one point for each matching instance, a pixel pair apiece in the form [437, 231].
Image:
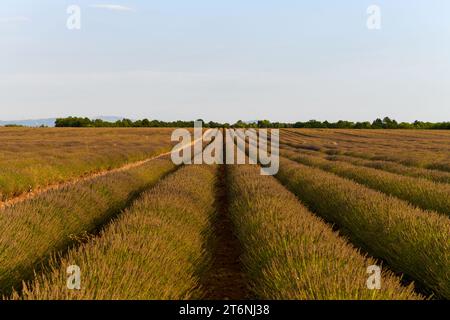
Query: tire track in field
[60, 185]
[224, 280]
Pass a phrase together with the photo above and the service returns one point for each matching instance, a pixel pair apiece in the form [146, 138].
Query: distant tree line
[385, 123]
[13, 126]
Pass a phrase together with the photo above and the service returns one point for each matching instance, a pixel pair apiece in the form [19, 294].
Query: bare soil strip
[225, 278]
[56, 186]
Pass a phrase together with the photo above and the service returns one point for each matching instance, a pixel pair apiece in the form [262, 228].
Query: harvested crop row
[350, 140]
[432, 161]
[423, 193]
[153, 251]
[435, 159]
[389, 166]
[410, 240]
[291, 254]
[35, 229]
[433, 175]
[303, 148]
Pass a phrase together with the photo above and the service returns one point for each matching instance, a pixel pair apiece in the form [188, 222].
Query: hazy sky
[225, 60]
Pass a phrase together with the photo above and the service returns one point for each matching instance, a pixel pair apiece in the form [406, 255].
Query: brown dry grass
[32, 158]
[413, 148]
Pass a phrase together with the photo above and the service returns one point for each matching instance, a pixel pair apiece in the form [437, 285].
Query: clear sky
[226, 60]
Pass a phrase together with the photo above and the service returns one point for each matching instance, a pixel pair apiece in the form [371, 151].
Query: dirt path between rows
[56, 186]
[225, 279]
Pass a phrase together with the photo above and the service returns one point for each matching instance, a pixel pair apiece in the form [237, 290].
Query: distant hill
[49, 122]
